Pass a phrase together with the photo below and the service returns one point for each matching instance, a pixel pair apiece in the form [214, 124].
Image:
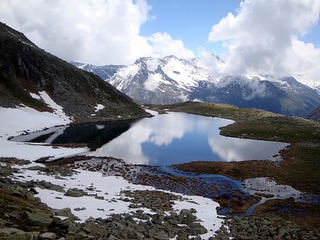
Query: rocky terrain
[26, 72]
[152, 214]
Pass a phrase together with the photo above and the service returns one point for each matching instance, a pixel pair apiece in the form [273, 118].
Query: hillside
[314, 114]
[27, 73]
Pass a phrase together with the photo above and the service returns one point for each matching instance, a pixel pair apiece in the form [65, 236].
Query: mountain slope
[26, 71]
[170, 80]
[314, 114]
[105, 72]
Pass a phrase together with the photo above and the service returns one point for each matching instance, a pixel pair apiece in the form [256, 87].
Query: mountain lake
[162, 140]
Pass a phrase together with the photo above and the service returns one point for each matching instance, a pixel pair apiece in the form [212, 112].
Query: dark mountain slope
[25, 69]
[105, 72]
[314, 114]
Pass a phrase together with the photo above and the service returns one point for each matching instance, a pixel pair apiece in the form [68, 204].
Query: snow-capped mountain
[169, 80]
[105, 72]
[160, 80]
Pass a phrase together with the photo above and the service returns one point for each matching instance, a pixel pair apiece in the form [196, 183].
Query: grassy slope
[301, 161]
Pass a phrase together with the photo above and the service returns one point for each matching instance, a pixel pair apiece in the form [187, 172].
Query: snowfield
[22, 119]
[109, 189]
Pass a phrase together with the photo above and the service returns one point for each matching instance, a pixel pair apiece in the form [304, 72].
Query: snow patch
[15, 121]
[98, 107]
[152, 64]
[153, 82]
[186, 75]
[57, 109]
[268, 186]
[206, 212]
[151, 111]
[110, 187]
[35, 96]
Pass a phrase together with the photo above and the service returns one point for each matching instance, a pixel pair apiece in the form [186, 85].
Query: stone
[161, 235]
[65, 212]
[47, 235]
[197, 229]
[38, 218]
[74, 192]
[111, 237]
[14, 233]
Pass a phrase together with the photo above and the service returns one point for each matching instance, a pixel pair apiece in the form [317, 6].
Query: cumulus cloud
[262, 36]
[92, 31]
[163, 43]
[303, 61]
[212, 63]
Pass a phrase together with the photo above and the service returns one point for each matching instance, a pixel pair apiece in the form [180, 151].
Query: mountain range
[170, 80]
[30, 76]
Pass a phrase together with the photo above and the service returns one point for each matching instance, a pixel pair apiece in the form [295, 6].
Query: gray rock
[47, 235]
[74, 192]
[38, 218]
[161, 235]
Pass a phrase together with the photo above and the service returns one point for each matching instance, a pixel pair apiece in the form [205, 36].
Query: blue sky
[192, 20]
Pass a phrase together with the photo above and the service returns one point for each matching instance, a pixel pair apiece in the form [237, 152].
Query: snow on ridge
[153, 81]
[186, 75]
[183, 72]
[35, 96]
[57, 109]
[152, 64]
[124, 76]
[82, 66]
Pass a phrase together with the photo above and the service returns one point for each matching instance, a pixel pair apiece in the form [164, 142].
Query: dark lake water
[161, 140]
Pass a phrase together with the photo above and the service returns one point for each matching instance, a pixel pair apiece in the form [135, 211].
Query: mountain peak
[170, 80]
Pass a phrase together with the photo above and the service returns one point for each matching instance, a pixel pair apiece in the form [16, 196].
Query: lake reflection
[179, 138]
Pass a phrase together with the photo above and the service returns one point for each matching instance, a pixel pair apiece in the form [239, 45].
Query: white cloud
[303, 60]
[213, 64]
[92, 31]
[262, 36]
[164, 45]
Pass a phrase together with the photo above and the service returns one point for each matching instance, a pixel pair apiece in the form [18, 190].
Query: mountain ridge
[170, 80]
[25, 69]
